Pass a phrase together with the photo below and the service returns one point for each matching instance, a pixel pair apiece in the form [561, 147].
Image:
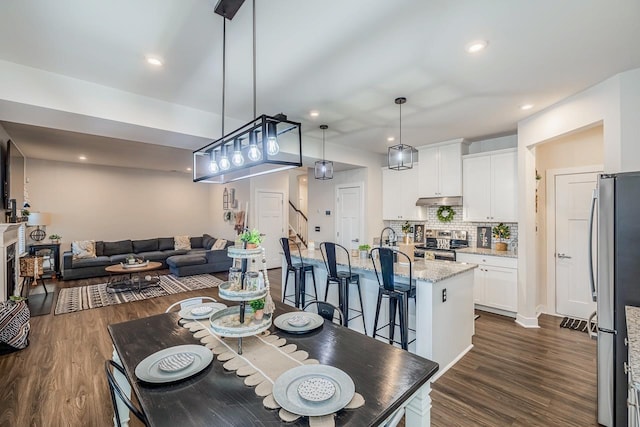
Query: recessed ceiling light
[476, 46]
[155, 61]
[526, 106]
[314, 113]
[391, 139]
[82, 157]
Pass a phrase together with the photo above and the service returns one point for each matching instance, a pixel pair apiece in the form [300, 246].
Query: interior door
[573, 198]
[349, 217]
[270, 218]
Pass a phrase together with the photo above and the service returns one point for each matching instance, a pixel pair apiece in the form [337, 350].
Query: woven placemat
[264, 358]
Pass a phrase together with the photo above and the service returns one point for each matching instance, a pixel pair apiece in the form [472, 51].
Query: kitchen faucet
[392, 240]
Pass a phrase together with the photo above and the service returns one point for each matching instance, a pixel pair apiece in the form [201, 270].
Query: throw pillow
[219, 244]
[83, 249]
[182, 243]
[196, 242]
[165, 244]
[208, 241]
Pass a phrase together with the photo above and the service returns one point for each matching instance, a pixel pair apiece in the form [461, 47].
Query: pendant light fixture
[400, 156]
[264, 145]
[324, 168]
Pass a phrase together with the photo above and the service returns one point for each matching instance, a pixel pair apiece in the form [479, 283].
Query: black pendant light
[324, 168]
[400, 156]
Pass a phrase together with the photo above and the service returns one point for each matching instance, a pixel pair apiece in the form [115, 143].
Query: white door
[349, 217]
[573, 198]
[270, 218]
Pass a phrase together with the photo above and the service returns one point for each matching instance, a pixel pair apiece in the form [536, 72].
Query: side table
[52, 251]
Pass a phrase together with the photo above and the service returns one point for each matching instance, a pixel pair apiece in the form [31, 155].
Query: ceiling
[348, 60]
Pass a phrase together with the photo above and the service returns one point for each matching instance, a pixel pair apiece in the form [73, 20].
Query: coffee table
[134, 282]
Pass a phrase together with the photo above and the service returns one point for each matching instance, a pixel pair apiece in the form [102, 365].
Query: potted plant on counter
[406, 229]
[251, 238]
[258, 308]
[501, 232]
[55, 238]
[364, 251]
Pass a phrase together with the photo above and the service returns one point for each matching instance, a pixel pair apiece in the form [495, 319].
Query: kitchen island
[443, 320]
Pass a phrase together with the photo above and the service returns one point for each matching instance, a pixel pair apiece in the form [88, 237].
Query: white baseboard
[453, 362]
[527, 322]
[495, 310]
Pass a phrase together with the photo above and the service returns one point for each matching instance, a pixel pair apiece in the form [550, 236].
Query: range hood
[439, 201]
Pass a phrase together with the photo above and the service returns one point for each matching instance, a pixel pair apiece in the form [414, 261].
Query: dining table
[389, 379]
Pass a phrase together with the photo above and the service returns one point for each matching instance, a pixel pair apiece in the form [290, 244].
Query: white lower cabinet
[495, 285]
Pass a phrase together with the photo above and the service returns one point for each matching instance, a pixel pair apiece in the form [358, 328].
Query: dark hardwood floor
[512, 377]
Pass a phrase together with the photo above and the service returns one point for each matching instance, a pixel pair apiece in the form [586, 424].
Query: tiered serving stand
[238, 321]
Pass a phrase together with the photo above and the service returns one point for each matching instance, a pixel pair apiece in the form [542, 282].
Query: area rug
[93, 296]
[575, 324]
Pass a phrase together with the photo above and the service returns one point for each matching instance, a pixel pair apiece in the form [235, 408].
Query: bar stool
[326, 310]
[299, 270]
[343, 279]
[397, 293]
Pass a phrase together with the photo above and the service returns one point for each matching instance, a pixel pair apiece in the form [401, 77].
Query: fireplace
[8, 257]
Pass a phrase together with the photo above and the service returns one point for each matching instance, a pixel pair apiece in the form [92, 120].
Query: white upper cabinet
[440, 169]
[490, 186]
[399, 195]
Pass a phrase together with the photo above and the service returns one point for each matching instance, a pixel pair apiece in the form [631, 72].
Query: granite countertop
[489, 252]
[633, 335]
[427, 270]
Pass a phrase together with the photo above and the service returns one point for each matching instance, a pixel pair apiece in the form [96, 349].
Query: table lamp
[38, 219]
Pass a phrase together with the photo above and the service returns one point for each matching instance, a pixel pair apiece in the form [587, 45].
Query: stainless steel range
[442, 244]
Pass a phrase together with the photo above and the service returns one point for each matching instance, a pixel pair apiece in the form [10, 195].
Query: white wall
[492, 144]
[111, 203]
[614, 103]
[219, 227]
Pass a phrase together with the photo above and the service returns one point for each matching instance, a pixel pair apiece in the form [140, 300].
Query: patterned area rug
[575, 324]
[94, 296]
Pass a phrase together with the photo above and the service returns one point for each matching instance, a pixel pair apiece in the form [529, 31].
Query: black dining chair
[343, 279]
[326, 310]
[115, 390]
[300, 271]
[398, 294]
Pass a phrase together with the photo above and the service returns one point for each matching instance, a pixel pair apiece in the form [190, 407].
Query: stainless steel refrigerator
[615, 283]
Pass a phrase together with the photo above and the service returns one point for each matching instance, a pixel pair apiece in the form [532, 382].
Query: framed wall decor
[484, 238]
[418, 233]
[225, 199]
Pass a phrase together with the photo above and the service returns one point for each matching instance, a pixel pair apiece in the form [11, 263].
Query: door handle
[563, 256]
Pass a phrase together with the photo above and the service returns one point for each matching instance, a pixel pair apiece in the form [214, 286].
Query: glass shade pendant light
[324, 168]
[272, 140]
[213, 166]
[400, 156]
[254, 154]
[225, 164]
[237, 158]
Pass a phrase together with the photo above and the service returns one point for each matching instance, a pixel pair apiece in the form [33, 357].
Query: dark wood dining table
[387, 377]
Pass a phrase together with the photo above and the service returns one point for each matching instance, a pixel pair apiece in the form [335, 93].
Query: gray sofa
[199, 260]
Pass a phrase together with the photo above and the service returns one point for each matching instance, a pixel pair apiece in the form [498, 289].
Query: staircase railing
[298, 222]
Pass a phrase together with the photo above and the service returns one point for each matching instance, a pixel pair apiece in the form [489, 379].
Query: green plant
[251, 236]
[501, 231]
[406, 227]
[25, 212]
[257, 304]
[55, 236]
[445, 214]
[364, 247]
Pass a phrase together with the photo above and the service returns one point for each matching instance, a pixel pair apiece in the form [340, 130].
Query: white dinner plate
[282, 322]
[187, 312]
[149, 371]
[286, 390]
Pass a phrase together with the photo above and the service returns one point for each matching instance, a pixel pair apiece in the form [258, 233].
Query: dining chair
[300, 271]
[189, 302]
[115, 390]
[343, 279]
[398, 294]
[326, 310]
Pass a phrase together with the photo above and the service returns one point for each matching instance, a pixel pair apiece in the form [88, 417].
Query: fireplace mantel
[8, 236]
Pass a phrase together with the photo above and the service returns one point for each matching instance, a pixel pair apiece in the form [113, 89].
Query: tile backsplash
[432, 223]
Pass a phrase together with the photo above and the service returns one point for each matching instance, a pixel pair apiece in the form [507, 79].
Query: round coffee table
[134, 282]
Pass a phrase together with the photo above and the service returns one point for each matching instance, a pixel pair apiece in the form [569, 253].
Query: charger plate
[282, 322]
[187, 312]
[149, 371]
[286, 394]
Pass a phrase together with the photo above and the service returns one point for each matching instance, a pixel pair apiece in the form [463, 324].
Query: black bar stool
[343, 279]
[326, 310]
[299, 270]
[397, 293]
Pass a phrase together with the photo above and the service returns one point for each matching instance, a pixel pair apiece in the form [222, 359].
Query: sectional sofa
[200, 259]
